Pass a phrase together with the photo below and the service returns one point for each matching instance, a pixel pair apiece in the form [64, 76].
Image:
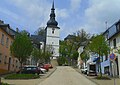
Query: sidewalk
[29, 81]
[101, 82]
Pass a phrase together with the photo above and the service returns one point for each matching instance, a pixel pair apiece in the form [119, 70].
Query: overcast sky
[72, 15]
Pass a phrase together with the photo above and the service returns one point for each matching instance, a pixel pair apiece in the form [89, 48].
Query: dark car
[30, 70]
[91, 73]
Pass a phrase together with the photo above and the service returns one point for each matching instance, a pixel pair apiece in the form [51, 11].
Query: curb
[87, 77]
[51, 73]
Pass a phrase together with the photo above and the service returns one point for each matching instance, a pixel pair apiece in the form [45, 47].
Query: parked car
[84, 70]
[92, 70]
[49, 65]
[45, 67]
[91, 73]
[43, 71]
[30, 70]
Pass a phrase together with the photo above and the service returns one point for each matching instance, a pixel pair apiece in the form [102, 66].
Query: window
[0, 57]
[11, 42]
[16, 64]
[7, 42]
[118, 27]
[114, 43]
[5, 60]
[13, 62]
[2, 39]
[53, 30]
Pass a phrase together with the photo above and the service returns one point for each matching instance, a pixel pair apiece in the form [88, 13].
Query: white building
[52, 34]
[113, 36]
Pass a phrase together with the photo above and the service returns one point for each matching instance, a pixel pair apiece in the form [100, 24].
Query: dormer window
[118, 27]
[53, 30]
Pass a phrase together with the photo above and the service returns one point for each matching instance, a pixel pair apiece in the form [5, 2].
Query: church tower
[52, 34]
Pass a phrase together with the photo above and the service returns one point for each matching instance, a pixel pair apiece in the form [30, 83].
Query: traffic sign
[112, 56]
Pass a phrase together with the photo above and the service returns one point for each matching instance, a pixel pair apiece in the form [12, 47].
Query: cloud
[30, 13]
[99, 12]
[75, 4]
[62, 13]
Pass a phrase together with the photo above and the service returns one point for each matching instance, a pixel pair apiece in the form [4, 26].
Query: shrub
[5, 84]
[21, 76]
[104, 77]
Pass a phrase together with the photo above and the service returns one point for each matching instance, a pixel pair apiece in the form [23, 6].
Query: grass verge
[5, 84]
[21, 76]
[104, 77]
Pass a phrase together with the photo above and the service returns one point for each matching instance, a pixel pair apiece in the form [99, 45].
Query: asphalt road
[66, 76]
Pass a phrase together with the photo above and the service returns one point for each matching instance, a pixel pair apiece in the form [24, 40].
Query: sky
[71, 15]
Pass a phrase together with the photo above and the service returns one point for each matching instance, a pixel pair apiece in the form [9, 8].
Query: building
[8, 63]
[49, 40]
[112, 35]
[52, 34]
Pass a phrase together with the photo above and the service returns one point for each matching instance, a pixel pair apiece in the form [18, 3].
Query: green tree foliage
[62, 60]
[84, 56]
[21, 47]
[69, 47]
[99, 45]
[40, 31]
[37, 54]
[46, 56]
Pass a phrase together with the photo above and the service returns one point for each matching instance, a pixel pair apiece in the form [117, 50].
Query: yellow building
[8, 63]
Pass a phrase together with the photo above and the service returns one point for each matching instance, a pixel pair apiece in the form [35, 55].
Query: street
[65, 75]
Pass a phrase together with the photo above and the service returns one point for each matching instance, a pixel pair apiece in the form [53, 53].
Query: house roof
[37, 38]
[6, 28]
[107, 31]
[69, 37]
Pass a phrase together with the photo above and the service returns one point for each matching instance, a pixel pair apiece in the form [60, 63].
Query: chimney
[17, 30]
[1, 22]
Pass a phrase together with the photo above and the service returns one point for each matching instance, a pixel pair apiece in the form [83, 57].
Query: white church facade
[53, 34]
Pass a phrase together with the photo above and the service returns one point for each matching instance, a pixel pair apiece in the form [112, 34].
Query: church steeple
[52, 21]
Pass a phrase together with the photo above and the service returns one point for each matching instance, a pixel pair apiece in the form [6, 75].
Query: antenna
[106, 23]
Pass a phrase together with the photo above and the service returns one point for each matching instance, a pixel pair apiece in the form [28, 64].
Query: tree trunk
[100, 65]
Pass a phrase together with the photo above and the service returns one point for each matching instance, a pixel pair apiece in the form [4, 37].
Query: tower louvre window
[53, 30]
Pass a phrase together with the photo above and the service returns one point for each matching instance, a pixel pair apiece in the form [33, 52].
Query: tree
[40, 31]
[84, 56]
[37, 54]
[99, 45]
[21, 47]
[46, 56]
[81, 36]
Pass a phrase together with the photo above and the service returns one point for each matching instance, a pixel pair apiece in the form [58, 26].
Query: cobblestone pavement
[65, 75]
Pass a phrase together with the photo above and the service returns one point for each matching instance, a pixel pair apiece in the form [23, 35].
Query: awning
[96, 59]
[90, 61]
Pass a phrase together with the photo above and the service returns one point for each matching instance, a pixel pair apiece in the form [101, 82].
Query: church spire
[53, 5]
[52, 21]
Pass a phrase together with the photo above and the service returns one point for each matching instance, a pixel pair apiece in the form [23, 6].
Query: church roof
[52, 21]
[37, 38]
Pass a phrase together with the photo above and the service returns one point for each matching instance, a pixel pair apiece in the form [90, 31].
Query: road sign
[112, 56]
